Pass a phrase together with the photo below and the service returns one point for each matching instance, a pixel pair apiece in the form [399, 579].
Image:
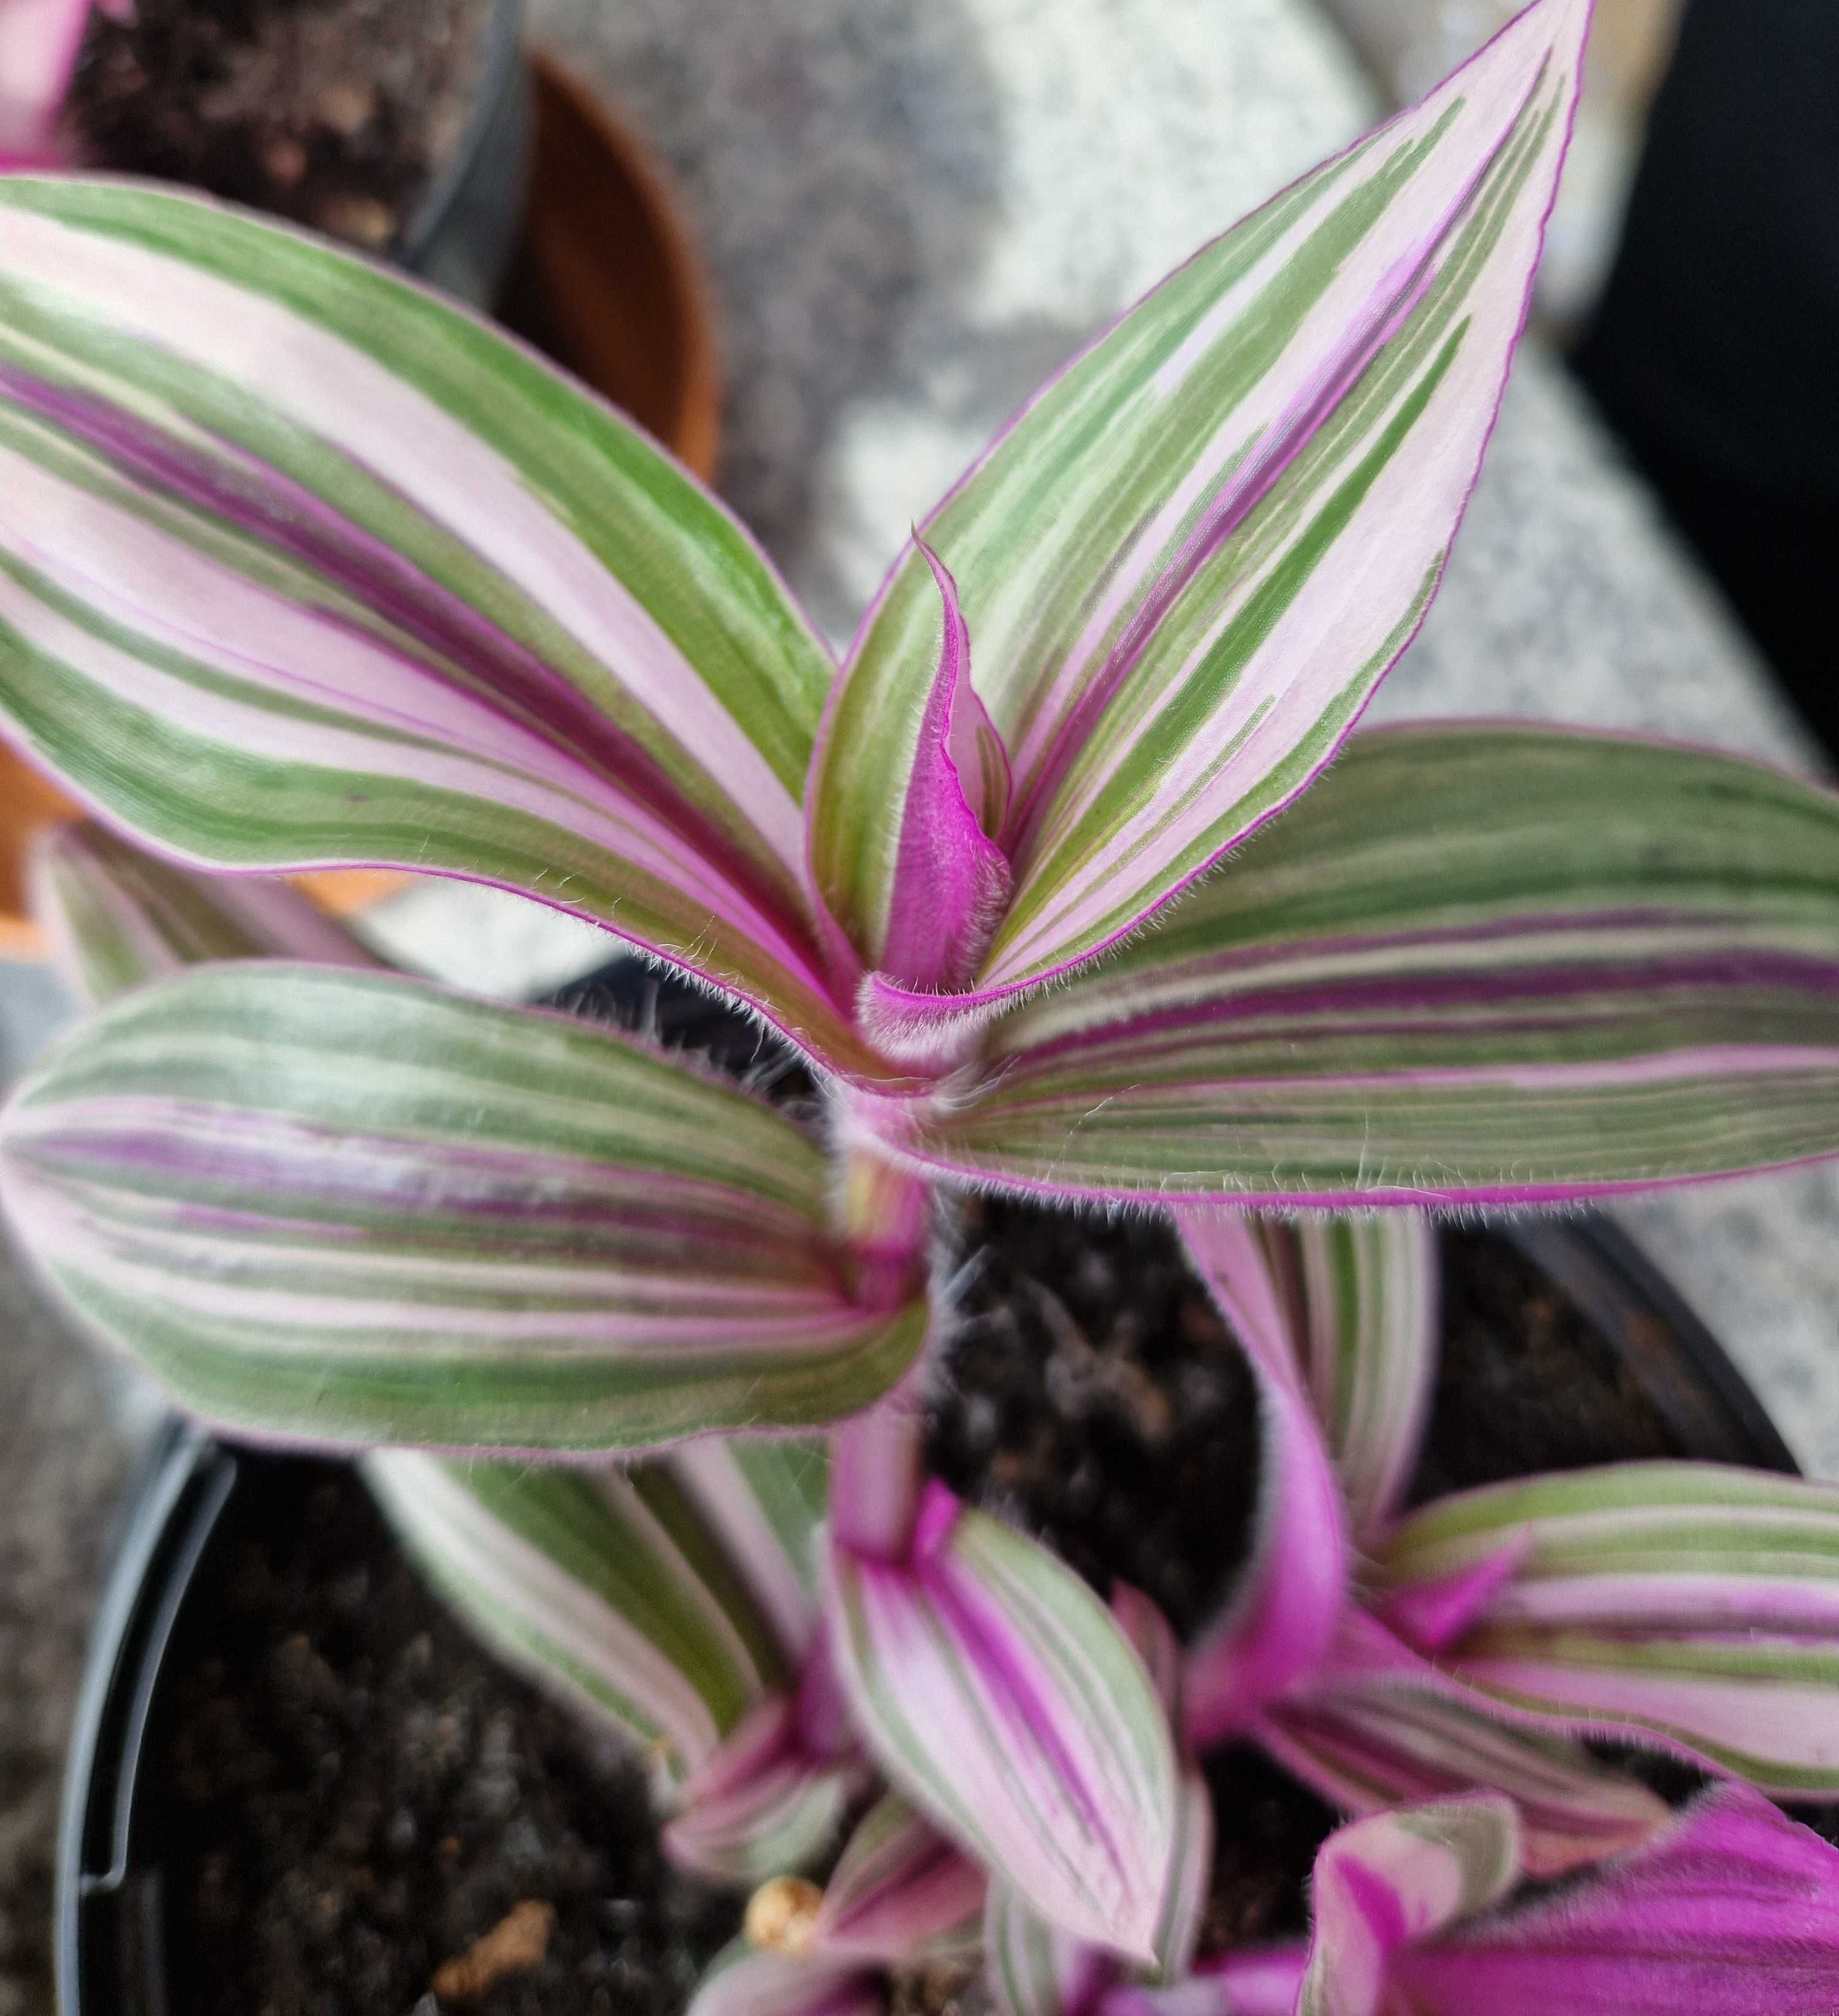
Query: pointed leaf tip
[921, 885]
[999, 1694]
[1191, 560]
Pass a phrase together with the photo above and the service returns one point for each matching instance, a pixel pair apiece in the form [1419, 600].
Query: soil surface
[363, 1795]
[337, 113]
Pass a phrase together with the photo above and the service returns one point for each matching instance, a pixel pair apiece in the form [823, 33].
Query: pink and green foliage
[1690, 1606]
[412, 599]
[1731, 1910]
[39, 40]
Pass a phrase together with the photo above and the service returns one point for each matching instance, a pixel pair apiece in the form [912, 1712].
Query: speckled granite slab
[913, 215]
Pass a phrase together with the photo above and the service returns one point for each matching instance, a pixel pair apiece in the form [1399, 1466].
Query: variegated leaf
[900, 1892]
[598, 1582]
[1382, 1728]
[1188, 563]
[1033, 1968]
[761, 1805]
[118, 916]
[1280, 1621]
[997, 1693]
[1732, 1910]
[39, 40]
[1690, 1602]
[1383, 1884]
[351, 1208]
[766, 1498]
[1474, 962]
[302, 566]
[742, 1982]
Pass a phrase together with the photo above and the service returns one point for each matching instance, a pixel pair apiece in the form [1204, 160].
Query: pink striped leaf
[1690, 1603]
[1278, 1627]
[118, 916]
[900, 1892]
[949, 881]
[1382, 1727]
[763, 1804]
[1732, 1910]
[998, 1695]
[1033, 1968]
[742, 1982]
[350, 1208]
[303, 565]
[1255, 1980]
[600, 1583]
[1187, 564]
[766, 1498]
[1474, 962]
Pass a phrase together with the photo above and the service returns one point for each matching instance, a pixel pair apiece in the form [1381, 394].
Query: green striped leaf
[1687, 1601]
[118, 916]
[302, 565]
[1187, 564]
[763, 1805]
[998, 1695]
[900, 1893]
[767, 1497]
[600, 1583]
[1475, 963]
[350, 1207]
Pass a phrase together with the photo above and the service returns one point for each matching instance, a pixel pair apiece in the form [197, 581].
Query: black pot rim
[501, 75]
[107, 1913]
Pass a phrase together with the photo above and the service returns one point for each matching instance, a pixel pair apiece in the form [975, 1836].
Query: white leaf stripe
[508, 612]
[766, 1499]
[998, 1695]
[350, 1206]
[569, 1575]
[1695, 1602]
[1480, 962]
[1229, 467]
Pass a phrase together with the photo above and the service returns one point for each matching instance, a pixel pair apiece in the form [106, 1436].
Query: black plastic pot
[463, 235]
[199, 1494]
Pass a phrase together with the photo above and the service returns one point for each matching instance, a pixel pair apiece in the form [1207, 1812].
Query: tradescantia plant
[300, 566]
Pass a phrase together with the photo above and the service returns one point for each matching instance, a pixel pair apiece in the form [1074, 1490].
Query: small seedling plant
[1052, 886]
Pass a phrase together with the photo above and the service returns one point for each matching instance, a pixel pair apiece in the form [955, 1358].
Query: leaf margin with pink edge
[1479, 962]
[420, 601]
[256, 1178]
[1289, 389]
[982, 1657]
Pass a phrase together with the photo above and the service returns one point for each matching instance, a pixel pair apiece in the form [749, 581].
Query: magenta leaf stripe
[1186, 567]
[1691, 1603]
[414, 599]
[1001, 1699]
[1474, 962]
[350, 1208]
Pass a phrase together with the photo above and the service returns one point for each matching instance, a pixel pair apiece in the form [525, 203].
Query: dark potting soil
[363, 1794]
[337, 113]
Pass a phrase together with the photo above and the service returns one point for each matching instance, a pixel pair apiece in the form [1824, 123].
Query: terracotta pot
[604, 280]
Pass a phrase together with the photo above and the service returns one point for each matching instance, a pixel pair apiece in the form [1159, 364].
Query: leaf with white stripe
[763, 1805]
[351, 1208]
[742, 1982]
[767, 1497]
[1385, 1884]
[598, 1582]
[1475, 963]
[118, 916]
[1690, 1602]
[1383, 1727]
[1033, 1968]
[1280, 1622]
[301, 566]
[1187, 564]
[900, 1892]
[998, 1695]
